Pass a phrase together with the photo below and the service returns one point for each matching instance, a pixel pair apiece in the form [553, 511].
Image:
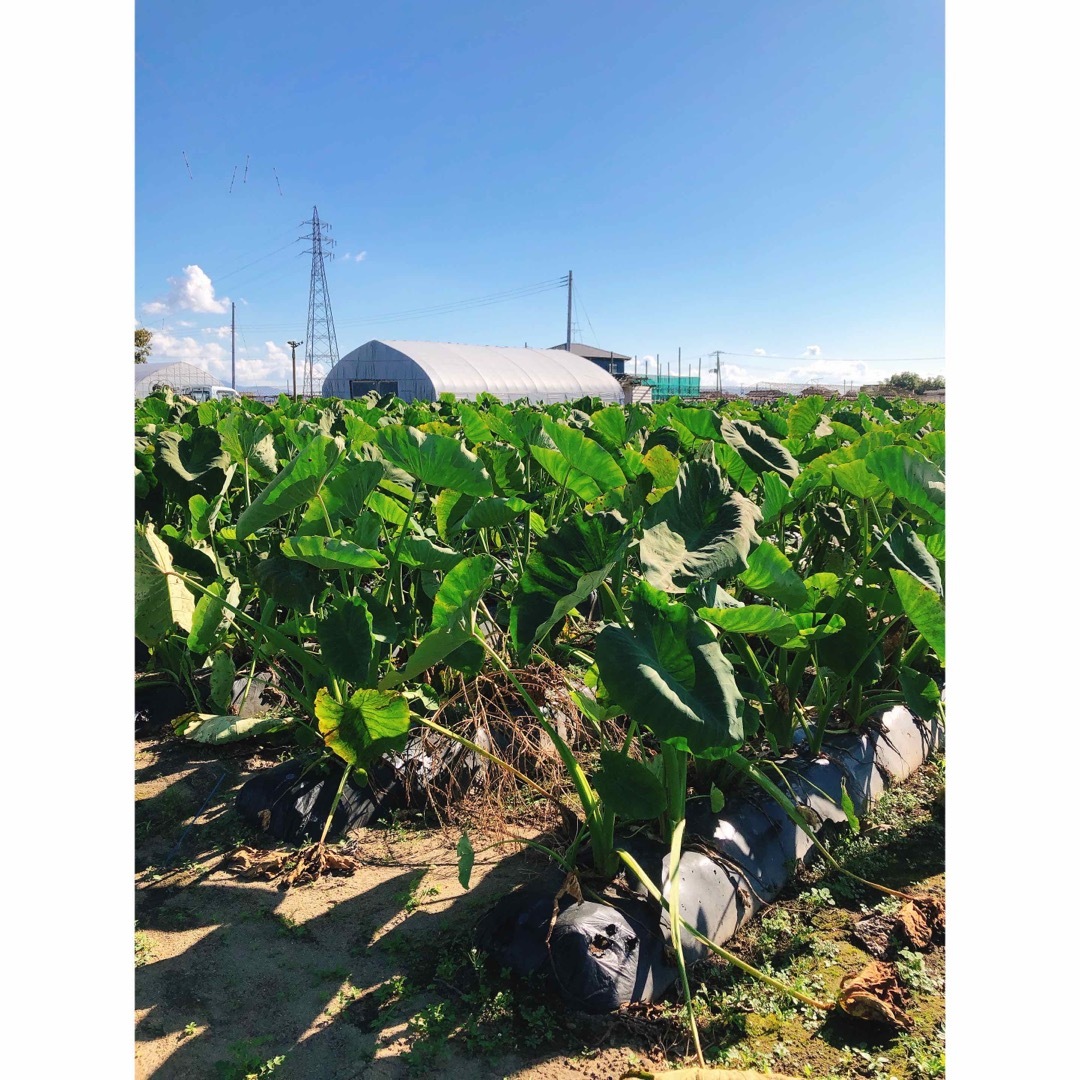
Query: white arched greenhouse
[177, 375]
[422, 370]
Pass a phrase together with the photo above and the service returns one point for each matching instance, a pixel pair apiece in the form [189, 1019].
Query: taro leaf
[610, 424]
[856, 478]
[737, 471]
[370, 723]
[222, 676]
[628, 788]
[460, 592]
[450, 510]
[297, 483]
[663, 467]
[420, 552]
[706, 719]
[466, 857]
[467, 659]
[850, 653]
[186, 557]
[777, 496]
[699, 530]
[716, 799]
[162, 601]
[345, 638]
[921, 693]
[804, 415]
[199, 513]
[912, 477]
[903, 550]
[494, 513]
[578, 462]
[769, 573]
[924, 608]
[190, 458]
[702, 423]
[437, 460]
[249, 442]
[472, 423]
[761, 452]
[563, 569]
[452, 617]
[208, 615]
[211, 728]
[348, 489]
[330, 553]
[290, 582]
[752, 619]
[389, 509]
[367, 532]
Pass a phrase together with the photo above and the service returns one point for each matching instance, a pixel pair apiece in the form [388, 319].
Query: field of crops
[667, 607]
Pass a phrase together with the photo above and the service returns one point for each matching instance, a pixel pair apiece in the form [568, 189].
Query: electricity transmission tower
[321, 353]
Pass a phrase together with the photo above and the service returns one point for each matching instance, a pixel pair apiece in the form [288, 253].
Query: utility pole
[719, 385]
[294, 345]
[569, 305]
[234, 346]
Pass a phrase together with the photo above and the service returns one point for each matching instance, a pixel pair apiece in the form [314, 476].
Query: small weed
[247, 1063]
[819, 898]
[189, 1030]
[144, 951]
[911, 967]
[290, 927]
[391, 990]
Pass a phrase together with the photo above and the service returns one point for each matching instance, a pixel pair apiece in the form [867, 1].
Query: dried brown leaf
[875, 994]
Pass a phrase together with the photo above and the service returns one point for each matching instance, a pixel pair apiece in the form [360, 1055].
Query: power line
[835, 359]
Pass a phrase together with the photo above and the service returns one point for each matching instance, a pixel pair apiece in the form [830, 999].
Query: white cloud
[832, 373]
[194, 291]
[217, 331]
[168, 347]
[812, 352]
[360, 256]
[759, 352]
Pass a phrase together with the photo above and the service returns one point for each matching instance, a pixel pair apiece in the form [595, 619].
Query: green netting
[666, 386]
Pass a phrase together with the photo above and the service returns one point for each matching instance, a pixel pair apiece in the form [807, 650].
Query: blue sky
[764, 179]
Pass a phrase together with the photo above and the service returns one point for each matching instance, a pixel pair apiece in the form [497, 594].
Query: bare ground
[374, 975]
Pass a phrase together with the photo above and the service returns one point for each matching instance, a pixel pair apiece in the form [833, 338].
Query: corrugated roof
[592, 352]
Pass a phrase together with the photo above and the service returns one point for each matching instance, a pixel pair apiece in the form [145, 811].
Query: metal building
[422, 370]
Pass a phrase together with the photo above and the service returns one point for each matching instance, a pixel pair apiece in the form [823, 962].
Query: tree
[144, 342]
[910, 383]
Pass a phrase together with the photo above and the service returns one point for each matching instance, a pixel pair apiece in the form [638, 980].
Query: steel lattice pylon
[321, 351]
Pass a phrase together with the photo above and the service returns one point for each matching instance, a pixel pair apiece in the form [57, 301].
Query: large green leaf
[578, 462]
[752, 619]
[628, 788]
[705, 718]
[759, 450]
[297, 483]
[903, 550]
[563, 569]
[924, 608]
[494, 513]
[912, 477]
[348, 489]
[460, 591]
[453, 618]
[249, 442]
[700, 530]
[369, 724]
[437, 460]
[162, 601]
[209, 612]
[291, 582]
[331, 553]
[850, 652]
[804, 415]
[345, 638]
[856, 478]
[192, 457]
[769, 573]
[425, 554]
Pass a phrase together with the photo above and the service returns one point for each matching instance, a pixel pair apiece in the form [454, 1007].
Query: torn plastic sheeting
[292, 802]
[759, 847]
